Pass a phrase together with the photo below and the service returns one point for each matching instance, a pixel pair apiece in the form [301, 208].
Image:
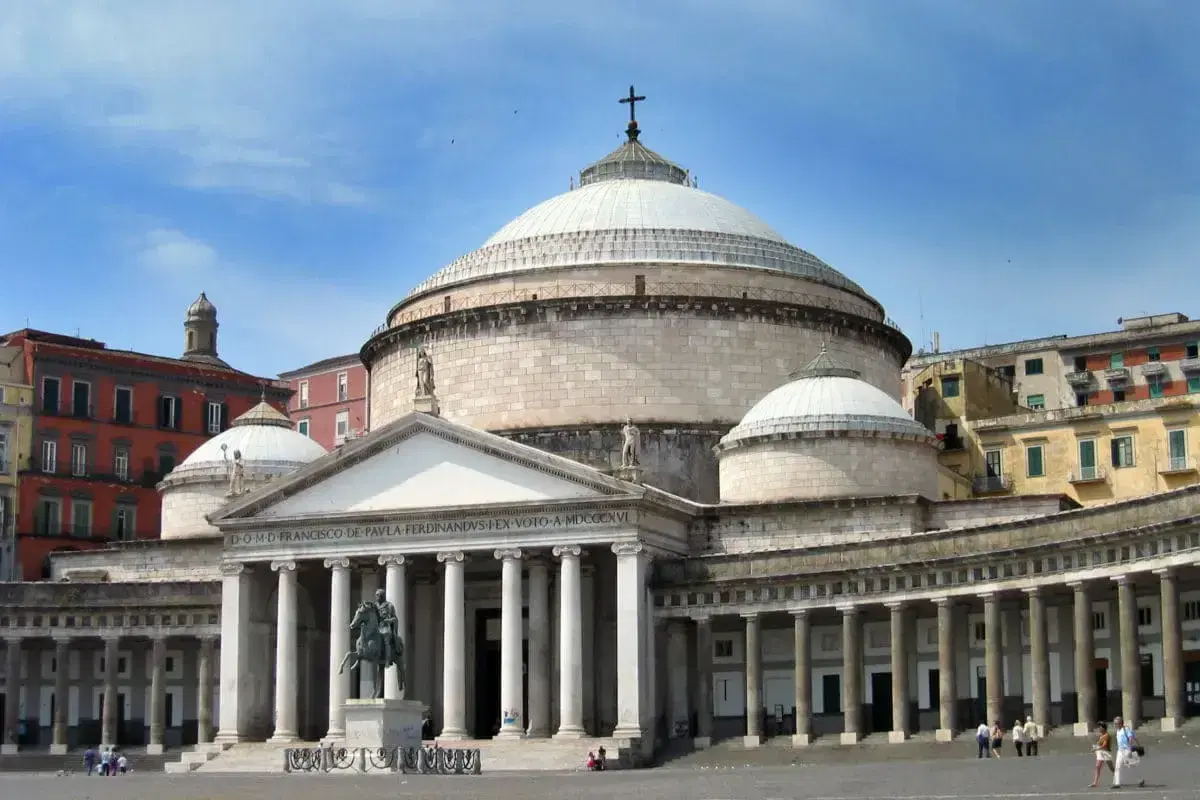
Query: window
[343, 387]
[993, 463]
[217, 417]
[1153, 354]
[342, 426]
[1008, 371]
[1191, 610]
[51, 387]
[168, 412]
[1155, 382]
[123, 405]
[1191, 350]
[304, 394]
[950, 387]
[1037, 402]
[723, 648]
[123, 522]
[166, 463]
[1193, 384]
[1035, 466]
[81, 518]
[302, 427]
[49, 456]
[980, 632]
[1118, 395]
[1116, 361]
[1177, 449]
[1087, 459]
[79, 459]
[1034, 366]
[1145, 616]
[1081, 400]
[1122, 451]
[3, 451]
[81, 400]
[1099, 621]
[1081, 364]
[47, 517]
[121, 464]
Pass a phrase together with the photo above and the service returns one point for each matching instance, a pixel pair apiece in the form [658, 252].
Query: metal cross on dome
[633, 99]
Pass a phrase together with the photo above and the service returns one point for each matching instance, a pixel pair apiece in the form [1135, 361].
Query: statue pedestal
[426, 404]
[383, 723]
[632, 474]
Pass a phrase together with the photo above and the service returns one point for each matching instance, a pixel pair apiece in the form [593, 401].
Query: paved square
[1171, 776]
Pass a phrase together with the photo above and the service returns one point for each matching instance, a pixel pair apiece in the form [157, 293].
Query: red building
[329, 399]
[109, 424]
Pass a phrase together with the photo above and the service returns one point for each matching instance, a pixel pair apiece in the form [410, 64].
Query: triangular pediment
[422, 461]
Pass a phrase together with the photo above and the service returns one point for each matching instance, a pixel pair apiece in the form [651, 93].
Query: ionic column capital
[337, 563]
[1167, 573]
[750, 616]
[568, 551]
[896, 605]
[989, 597]
[397, 560]
[508, 554]
[628, 548]
[62, 639]
[451, 557]
[283, 566]
[702, 620]
[208, 640]
[232, 568]
[849, 610]
[1078, 586]
[945, 601]
[799, 613]
[1123, 580]
[1033, 592]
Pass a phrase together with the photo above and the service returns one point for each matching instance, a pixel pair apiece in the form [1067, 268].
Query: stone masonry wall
[184, 509]
[844, 466]
[985, 511]
[150, 561]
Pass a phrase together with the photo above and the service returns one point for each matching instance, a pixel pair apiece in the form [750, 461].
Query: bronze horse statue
[372, 647]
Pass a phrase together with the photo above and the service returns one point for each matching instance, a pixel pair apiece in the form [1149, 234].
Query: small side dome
[202, 308]
[826, 434]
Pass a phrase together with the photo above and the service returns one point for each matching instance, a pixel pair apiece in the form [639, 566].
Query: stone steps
[72, 762]
[195, 758]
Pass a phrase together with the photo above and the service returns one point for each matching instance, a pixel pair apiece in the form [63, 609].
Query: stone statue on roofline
[631, 449]
[237, 475]
[425, 382]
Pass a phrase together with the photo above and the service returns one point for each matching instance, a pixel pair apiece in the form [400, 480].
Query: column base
[1082, 729]
[628, 732]
[573, 732]
[61, 750]
[154, 750]
[283, 737]
[752, 740]
[536, 734]
[801, 739]
[702, 742]
[334, 735]
[1171, 724]
[850, 738]
[9, 749]
[943, 735]
[511, 734]
[453, 735]
[897, 737]
[227, 738]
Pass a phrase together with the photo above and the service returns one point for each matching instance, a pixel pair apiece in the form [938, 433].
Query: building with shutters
[329, 399]
[108, 425]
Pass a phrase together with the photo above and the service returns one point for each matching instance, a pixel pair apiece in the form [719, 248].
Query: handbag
[1141, 751]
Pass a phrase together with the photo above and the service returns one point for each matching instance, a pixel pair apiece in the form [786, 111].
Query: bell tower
[200, 331]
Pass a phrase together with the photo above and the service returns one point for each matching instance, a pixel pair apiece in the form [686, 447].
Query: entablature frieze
[90, 624]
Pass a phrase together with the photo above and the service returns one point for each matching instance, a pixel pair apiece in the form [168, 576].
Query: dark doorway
[881, 702]
[935, 690]
[1191, 688]
[1102, 693]
[1147, 673]
[831, 693]
[981, 695]
[487, 676]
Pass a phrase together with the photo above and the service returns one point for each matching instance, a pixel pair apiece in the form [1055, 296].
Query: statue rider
[389, 626]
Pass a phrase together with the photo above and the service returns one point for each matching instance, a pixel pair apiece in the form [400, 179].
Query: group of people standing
[106, 762]
[1025, 736]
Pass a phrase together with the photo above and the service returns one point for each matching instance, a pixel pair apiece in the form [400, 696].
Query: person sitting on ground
[1103, 750]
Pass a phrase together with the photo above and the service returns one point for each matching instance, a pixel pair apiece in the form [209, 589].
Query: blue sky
[992, 171]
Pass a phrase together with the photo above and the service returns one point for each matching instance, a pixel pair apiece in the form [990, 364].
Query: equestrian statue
[378, 642]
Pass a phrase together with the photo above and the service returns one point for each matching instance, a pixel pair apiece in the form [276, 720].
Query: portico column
[12, 689]
[395, 589]
[803, 668]
[1039, 658]
[947, 686]
[704, 681]
[285, 654]
[158, 689]
[631, 641]
[58, 744]
[339, 644]
[1172, 648]
[539, 650]
[235, 653]
[368, 585]
[993, 666]
[109, 716]
[454, 652]
[1085, 654]
[204, 691]
[852, 670]
[901, 726]
[570, 643]
[754, 703]
[1131, 661]
[512, 701]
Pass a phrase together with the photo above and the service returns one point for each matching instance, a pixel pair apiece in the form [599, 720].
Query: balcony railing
[82, 411]
[1088, 475]
[1154, 368]
[1116, 376]
[1177, 465]
[1080, 378]
[952, 443]
[986, 484]
[1190, 365]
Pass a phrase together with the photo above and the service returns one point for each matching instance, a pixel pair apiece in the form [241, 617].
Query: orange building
[329, 400]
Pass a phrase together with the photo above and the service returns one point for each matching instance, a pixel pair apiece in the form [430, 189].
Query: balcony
[1178, 465]
[1085, 475]
[1190, 365]
[82, 411]
[1152, 368]
[1081, 379]
[992, 484]
[1117, 376]
[952, 443]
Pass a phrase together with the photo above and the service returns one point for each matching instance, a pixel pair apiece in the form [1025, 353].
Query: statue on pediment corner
[631, 449]
[237, 475]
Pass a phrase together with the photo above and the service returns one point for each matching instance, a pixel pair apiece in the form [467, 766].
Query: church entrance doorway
[881, 702]
[1102, 690]
[487, 673]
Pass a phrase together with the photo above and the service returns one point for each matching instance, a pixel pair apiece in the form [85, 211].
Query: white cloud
[174, 253]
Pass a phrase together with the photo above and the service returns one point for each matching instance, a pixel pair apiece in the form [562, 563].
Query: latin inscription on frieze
[333, 534]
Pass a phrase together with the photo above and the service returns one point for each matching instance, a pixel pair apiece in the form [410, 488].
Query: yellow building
[16, 444]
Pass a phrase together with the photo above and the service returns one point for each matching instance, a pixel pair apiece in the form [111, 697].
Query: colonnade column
[901, 725]
[704, 683]
[631, 639]
[285, 654]
[947, 685]
[754, 698]
[1039, 658]
[1131, 661]
[108, 715]
[570, 642]
[454, 652]
[235, 652]
[395, 589]
[339, 644]
[1172, 650]
[539, 650]
[62, 694]
[993, 653]
[512, 701]
[158, 691]
[803, 636]
[204, 691]
[852, 670]
[12, 706]
[1085, 655]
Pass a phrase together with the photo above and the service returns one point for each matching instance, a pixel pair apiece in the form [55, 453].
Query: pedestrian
[1129, 756]
[1018, 736]
[983, 739]
[997, 738]
[89, 760]
[1103, 750]
[122, 764]
[105, 758]
[1031, 737]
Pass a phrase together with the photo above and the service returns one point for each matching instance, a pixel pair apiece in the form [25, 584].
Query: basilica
[636, 471]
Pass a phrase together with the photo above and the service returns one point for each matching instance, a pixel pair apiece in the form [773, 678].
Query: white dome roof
[258, 444]
[826, 398]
